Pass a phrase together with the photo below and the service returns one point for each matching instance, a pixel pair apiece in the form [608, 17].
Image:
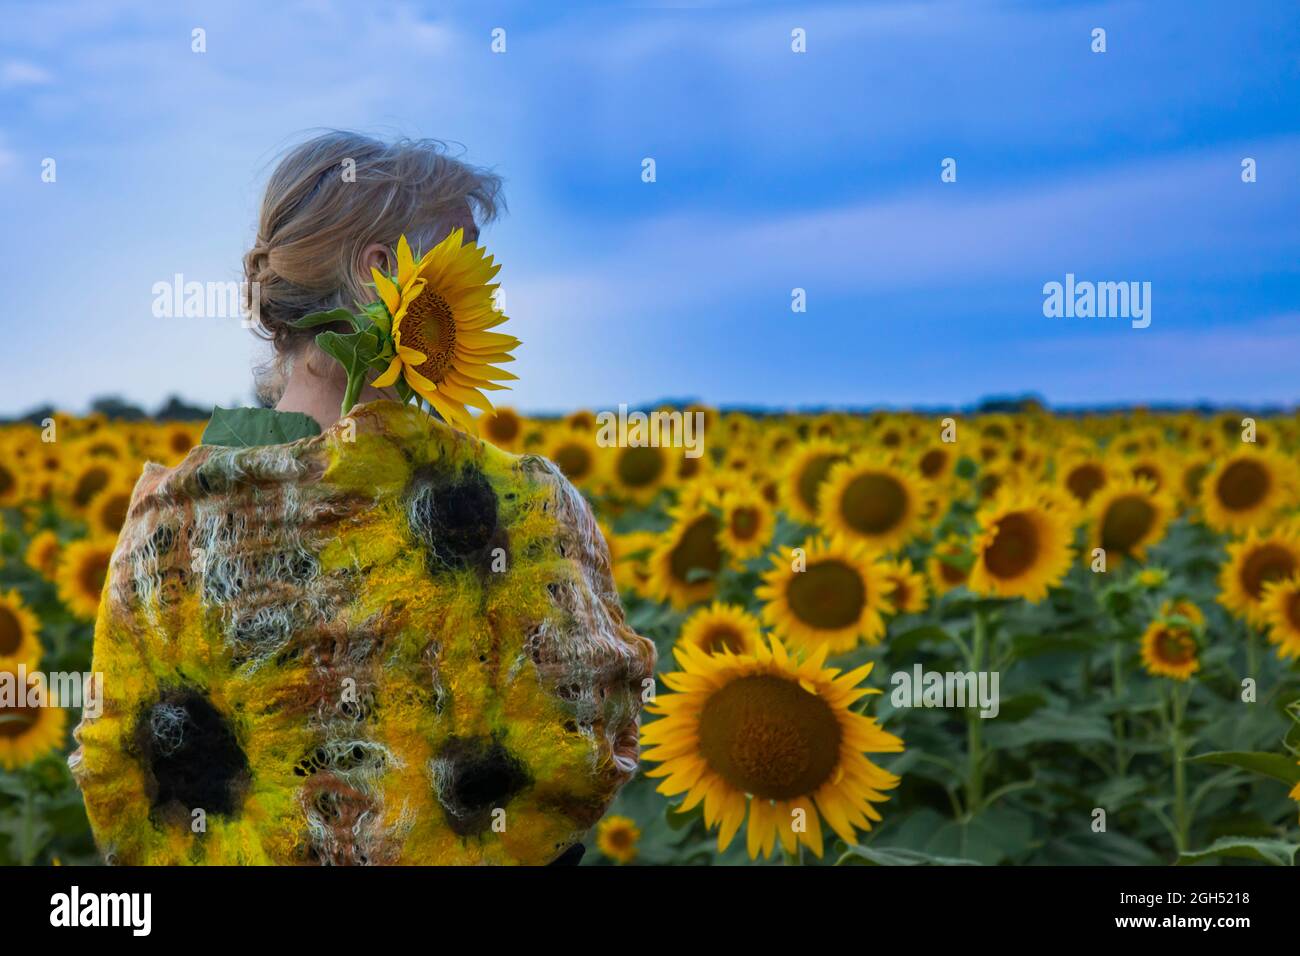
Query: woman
[386, 643]
[333, 210]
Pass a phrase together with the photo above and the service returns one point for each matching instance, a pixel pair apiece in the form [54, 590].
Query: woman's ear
[375, 256]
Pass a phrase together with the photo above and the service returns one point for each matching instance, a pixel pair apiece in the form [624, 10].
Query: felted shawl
[390, 643]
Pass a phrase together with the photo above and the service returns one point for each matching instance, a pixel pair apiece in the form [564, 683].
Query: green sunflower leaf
[314, 319]
[1272, 852]
[1278, 766]
[251, 427]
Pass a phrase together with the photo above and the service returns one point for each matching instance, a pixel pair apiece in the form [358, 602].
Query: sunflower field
[1127, 584]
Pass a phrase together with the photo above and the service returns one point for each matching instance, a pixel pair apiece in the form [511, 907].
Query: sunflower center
[768, 736]
[810, 479]
[7, 480]
[901, 595]
[574, 461]
[828, 595]
[989, 484]
[1192, 479]
[950, 572]
[180, 442]
[874, 504]
[113, 513]
[11, 631]
[91, 574]
[1266, 564]
[697, 549]
[620, 838]
[1242, 486]
[1293, 609]
[1149, 473]
[503, 427]
[1174, 646]
[16, 721]
[722, 637]
[1127, 521]
[429, 327]
[744, 523]
[640, 466]
[89, 484]
[1015, 546]
[932, 462]
[1084, 481]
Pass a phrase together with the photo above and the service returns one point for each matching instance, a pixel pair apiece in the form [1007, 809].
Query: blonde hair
[326, 202]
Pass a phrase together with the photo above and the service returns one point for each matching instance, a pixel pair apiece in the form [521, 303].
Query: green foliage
[251, 427]
[1082, 727]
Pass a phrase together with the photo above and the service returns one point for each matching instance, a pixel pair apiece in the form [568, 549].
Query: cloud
[1253, 359]
[14, 73]
[1127, 220]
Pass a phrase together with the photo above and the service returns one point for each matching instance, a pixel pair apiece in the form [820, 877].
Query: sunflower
[582, 420]
[685, 564]
[1281, 612]
[1083, 476]
[1128, 516]
[106, 512]
[631, 556]
[82, 571]
[1169, 651]
[177, 440]
[1155, 466]
[949, 565]
[18, 633]
[1152, 578]
[908, 594]
[639, 471]
[936, 461]
[747, 523]
[1246, 490]
[1185, 609]
[1253, 563]
[829, 595]
[1021, 549]
[28, 733]
[804, 475]
[720, 627]
[773, 735]
[691, 469]
[871, 500]
[43, 553]
[575, 454]
[90, 478]
[502, 428]
[1192, 470]
[11, 486]
[617, 837]
[442, 309]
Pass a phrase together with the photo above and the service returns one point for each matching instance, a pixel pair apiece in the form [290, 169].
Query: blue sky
[775, 170]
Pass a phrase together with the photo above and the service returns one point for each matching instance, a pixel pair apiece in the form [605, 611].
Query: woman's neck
[315, 387]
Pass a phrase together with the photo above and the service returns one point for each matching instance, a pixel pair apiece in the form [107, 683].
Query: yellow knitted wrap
[391, 643]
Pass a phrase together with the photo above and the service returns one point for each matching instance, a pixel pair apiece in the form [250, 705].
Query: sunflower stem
[350, 395]
[1178, 748]
[1252, 655]
[1117, 692]
[974, 742]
